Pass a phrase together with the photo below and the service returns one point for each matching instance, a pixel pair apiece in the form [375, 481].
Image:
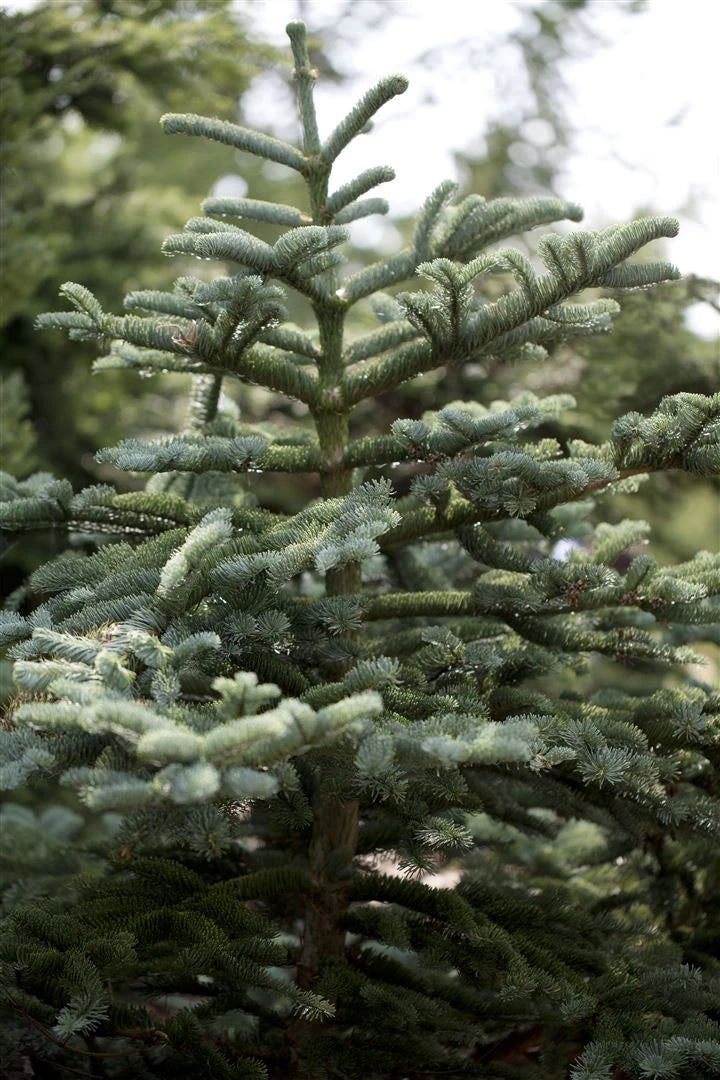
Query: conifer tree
[360, 811]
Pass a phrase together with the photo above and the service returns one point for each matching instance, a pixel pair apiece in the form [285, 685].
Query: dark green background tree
[88, 185]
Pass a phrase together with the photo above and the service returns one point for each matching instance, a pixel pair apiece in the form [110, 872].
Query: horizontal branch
[452, 433]
[430, 520]
[399, 605]
[386, 337]
[361, 209]
[405, 362]
[363, 183]
[377, 450]
[253, 142]
[262, 364]
[101, 509]
[291, 340]
[211, 453]
[399, 267]
[256, 210]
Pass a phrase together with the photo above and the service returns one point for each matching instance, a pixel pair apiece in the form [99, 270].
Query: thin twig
[47, 1034]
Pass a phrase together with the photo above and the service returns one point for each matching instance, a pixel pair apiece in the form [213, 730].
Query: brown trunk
[335, 820]
[332, 847]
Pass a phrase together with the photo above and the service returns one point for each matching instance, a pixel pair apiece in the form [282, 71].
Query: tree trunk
[332, 847]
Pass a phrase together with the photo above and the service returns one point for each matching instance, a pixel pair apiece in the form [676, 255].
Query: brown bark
[335, 820]
[332, 847]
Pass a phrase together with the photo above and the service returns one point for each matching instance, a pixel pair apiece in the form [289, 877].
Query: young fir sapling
[294, 719]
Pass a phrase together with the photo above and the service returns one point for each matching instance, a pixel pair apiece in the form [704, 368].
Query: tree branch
[430, 521]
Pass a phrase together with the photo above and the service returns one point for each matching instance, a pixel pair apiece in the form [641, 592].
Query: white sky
[656, 67]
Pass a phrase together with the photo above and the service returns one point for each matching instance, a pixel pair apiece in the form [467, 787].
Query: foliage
[652, 351]
[86, 184]
[361, 786]
[18, 443]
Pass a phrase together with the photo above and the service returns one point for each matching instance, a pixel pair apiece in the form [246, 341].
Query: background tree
[87, 183]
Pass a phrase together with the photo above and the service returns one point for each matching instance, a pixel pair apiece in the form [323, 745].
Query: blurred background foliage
[91, 187]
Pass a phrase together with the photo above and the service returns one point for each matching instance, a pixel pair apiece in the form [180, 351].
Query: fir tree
[361, 812]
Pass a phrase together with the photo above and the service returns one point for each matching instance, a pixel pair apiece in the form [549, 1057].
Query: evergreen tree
[360, 811]
[87, 185]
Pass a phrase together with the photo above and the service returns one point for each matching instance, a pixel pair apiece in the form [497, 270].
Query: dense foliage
[88, 188]
[359, 806]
